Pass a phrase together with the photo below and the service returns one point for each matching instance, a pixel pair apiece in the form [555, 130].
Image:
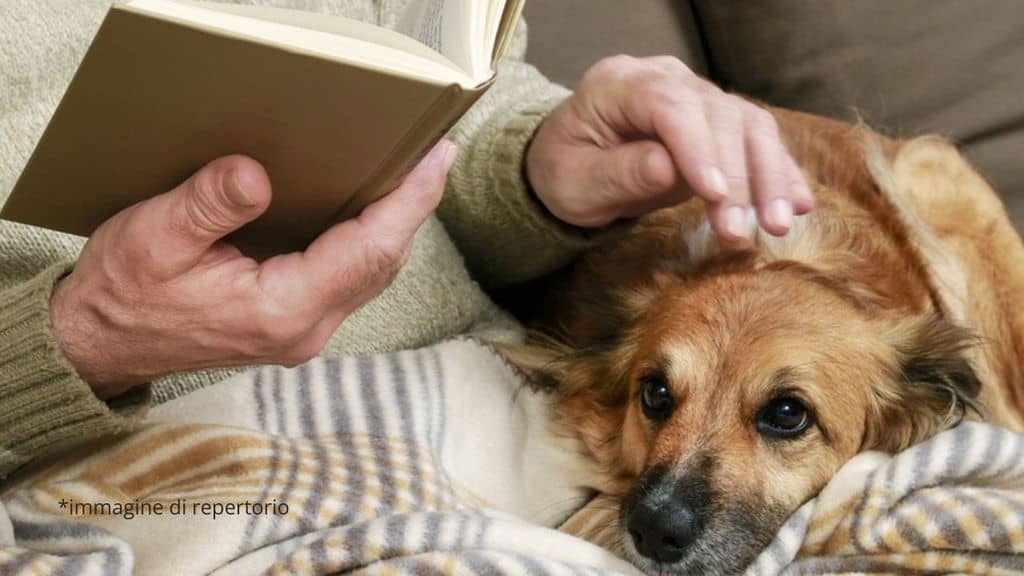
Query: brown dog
[722, 387]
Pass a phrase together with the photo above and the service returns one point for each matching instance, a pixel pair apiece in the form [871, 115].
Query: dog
[720, 387]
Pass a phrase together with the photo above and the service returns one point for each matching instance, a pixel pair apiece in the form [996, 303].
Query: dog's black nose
[662, 532]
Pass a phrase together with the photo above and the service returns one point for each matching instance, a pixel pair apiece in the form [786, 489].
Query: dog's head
[720, 404]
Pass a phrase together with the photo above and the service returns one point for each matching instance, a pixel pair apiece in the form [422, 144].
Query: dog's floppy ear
[932, 386]
[589, 385]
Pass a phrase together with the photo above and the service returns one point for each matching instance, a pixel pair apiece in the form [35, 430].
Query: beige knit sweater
[501, 232]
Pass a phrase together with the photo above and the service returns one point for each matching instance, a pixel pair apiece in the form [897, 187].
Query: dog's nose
[662, 532]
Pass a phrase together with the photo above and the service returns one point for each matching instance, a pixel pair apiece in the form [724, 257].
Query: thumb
[220, 198]
[631, 175]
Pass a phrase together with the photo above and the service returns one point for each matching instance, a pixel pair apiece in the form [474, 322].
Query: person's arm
[44, 403]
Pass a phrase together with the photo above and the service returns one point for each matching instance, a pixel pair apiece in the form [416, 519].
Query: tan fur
[883, 311]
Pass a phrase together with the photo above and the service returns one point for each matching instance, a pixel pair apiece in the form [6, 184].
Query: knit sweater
[490, 222]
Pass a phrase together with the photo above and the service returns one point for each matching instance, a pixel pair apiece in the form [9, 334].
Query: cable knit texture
[506, 236]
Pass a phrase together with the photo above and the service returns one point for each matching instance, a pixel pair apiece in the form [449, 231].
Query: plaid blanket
[441, 461]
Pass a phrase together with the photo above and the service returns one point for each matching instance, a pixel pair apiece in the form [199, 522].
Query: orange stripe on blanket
[131, 451]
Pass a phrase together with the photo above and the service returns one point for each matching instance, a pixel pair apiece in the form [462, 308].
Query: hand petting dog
[644, 134]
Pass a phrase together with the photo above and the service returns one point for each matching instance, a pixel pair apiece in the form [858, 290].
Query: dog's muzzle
[666, 513]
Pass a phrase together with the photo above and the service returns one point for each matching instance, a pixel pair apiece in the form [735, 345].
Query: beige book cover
[157, 97]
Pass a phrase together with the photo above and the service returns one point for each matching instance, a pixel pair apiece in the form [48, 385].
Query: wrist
[77, 327]
[555, 164]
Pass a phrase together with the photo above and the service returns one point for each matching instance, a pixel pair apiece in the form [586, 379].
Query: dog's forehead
[786, 362]
[735, 299]
[759, 314]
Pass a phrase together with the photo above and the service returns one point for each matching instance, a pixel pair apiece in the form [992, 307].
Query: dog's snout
[662, 532]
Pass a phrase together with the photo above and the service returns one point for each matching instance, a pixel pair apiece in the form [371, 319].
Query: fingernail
[736, 222]
[780, 213]
[233, 190]
[804, 201]
[714, 181]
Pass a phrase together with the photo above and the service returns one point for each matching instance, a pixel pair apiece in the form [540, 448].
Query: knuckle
[762, 122]
[728, 116]
[618, 62]
[205, 211]
[608, 67]
[385, 257]
[135, 258]
[733, 105]
[612, 69]
[671, 111]
[667, 96]
[737, 101]
[671, 65]
[708, 89]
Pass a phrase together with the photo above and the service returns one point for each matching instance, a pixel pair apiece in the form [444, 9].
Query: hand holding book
[337, 110]
[157, 291]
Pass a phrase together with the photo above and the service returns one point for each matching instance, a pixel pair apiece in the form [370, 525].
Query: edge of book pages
[506, 29]
[329, 36]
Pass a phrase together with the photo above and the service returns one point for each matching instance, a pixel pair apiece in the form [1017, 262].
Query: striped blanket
[441, 461]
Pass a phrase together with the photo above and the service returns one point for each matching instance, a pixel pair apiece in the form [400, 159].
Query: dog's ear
[537, 360]
[931, 385]
[549, 364]
[589, 387]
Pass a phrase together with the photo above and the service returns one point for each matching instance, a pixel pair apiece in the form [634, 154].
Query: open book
[337, 110]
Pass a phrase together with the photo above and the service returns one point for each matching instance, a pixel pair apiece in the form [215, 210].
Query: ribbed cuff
[508, 168]
[504, 232]
[44, 404]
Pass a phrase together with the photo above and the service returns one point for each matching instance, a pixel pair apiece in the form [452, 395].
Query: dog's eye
[655, 397]
[784, 417]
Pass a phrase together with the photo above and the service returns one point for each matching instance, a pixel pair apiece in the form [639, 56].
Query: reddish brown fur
[848, 316]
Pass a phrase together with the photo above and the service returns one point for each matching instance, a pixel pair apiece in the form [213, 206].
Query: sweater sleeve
[44, 405]
[505, 234]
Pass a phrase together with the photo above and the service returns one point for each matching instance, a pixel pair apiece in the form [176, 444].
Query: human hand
[643, 134]
[156, 290]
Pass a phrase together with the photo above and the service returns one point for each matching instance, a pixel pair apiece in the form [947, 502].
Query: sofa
[906, 67]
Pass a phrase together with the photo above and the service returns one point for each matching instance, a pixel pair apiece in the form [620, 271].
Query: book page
[337, 25]
[330, 36]
[447, 26]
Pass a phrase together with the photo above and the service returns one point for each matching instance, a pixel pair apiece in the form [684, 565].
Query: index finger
[369, 249]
